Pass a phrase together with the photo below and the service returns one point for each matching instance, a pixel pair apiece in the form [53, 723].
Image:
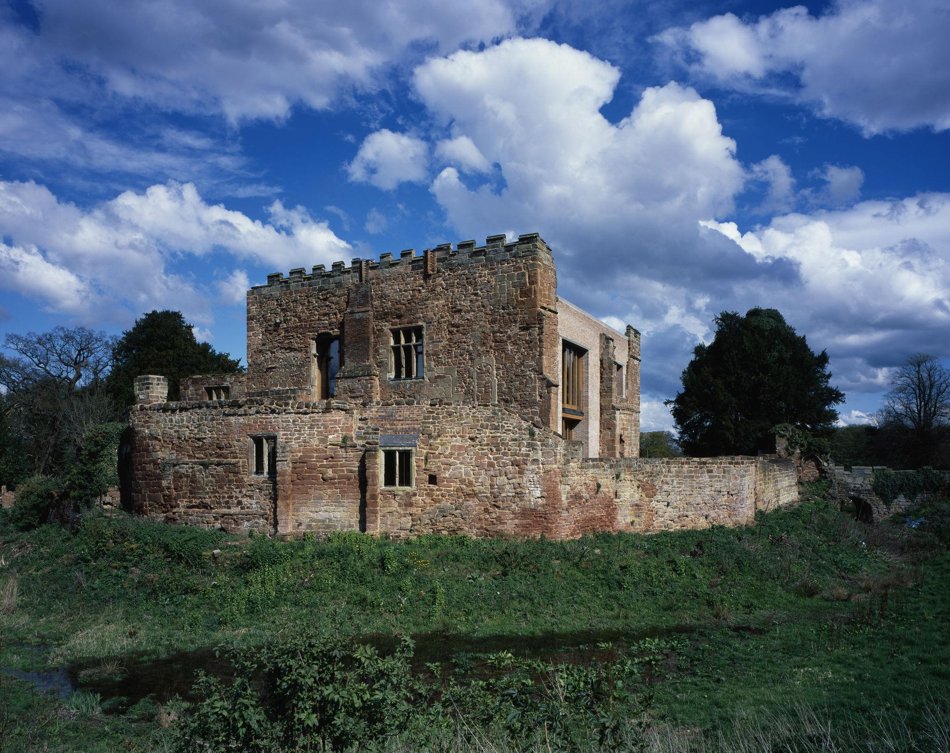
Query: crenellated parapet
[444, 256]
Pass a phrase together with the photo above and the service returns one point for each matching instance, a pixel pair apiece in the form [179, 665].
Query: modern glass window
[397, 468]
[407, 359]
[572, 379]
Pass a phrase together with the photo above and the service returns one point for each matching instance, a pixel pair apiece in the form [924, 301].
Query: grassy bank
[806, 618]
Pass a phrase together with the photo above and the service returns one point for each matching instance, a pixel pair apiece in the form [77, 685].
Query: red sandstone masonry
[480, 470]
[481, 424]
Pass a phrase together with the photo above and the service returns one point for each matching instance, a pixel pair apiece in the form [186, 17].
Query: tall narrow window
[572, 379]
[620, 383]
[407, 359]
[325, 363]
[572, 389]
[397, 468]
[263, 456]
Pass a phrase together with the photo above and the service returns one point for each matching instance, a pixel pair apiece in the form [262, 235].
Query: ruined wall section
[477, 470]
[482, 310]
[207, 386]
[668, 494]
[776, 482]
[192, 463]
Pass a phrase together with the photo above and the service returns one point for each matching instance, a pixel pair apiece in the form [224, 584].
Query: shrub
[38, 500]
[308, 695]
[889, 485]
[96, 467]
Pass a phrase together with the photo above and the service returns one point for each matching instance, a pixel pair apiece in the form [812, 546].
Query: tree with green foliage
[755, 374]
[659, 444]
[162, 342]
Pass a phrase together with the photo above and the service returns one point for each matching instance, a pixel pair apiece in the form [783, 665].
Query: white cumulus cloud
[462, 152]
[533, 108]
[875, 277]
[882, 65]
[256, 60]
[386, 159]
[123, 252]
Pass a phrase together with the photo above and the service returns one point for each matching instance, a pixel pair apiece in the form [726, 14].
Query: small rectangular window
[218, 392]
[397, 468]
[407, 359]
[263, 456]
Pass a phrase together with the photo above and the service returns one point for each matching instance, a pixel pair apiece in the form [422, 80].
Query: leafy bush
[801, 440]
[323, 695]
[126, 540]
[889, 485]
[308, 695]
[95, 468]
[38, 500]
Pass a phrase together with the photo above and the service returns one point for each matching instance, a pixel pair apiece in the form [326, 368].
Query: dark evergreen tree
[163, 343]
[755, 374]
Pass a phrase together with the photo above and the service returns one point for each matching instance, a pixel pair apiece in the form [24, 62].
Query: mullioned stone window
[218, 392]
[397, 468]
[407, 360]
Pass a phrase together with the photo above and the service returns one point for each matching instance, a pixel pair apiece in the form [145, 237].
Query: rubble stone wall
[481, 309]
[478, 470]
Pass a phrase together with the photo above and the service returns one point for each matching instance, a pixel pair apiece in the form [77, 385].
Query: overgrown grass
[808, 609]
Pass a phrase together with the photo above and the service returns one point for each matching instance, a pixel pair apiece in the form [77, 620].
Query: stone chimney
[151, 389]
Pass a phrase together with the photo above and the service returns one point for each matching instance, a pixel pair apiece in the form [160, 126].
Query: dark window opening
[325, 363]
[407, 355]
[263, 456]
[397, 468]
[568, 425]
[218, 392]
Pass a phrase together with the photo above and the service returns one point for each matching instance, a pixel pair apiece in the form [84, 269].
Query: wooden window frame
[573, 363]
[322, 382]
[397, 468]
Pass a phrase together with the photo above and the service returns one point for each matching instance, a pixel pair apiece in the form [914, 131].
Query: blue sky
[681, 158]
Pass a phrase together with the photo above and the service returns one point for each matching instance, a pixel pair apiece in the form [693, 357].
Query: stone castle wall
[482, 309]
[478, 470]
[263, 452]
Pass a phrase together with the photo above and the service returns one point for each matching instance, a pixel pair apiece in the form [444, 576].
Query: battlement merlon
[443, 256]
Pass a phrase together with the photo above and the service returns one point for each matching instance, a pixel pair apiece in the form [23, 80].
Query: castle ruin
[452, 392]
